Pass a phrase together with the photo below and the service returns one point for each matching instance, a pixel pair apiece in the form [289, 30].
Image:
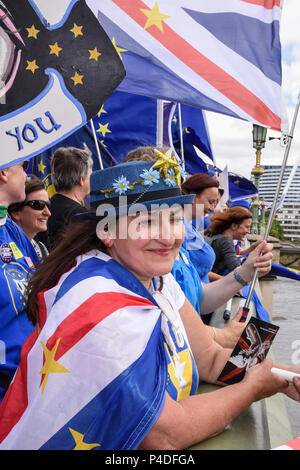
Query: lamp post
[259, 134]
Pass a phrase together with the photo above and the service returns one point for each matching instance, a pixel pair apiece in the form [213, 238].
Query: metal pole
[274, 205]
[159, 123]
[96, 143]
[181, 137]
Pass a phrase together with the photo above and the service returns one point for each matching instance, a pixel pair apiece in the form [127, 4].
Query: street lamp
[259, 134]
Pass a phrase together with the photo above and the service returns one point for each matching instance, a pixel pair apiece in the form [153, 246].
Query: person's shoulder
[223, 241]
[14, 234]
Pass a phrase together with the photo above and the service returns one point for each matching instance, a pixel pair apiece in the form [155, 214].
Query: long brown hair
[78, 238]
[221, 221]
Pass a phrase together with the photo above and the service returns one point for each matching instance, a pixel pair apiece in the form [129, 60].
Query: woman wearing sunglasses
[32, 214]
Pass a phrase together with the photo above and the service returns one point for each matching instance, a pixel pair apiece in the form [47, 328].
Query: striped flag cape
[291, 445]
[222, 56]
[95, 376]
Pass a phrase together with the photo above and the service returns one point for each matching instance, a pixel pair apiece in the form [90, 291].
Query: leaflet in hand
[251, 349]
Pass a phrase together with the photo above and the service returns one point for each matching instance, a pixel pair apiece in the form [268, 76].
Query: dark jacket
[226, 258]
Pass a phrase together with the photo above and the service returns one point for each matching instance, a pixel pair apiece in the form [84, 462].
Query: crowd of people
[121, 292]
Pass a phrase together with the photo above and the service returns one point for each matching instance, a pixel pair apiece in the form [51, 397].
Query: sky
[231, 139]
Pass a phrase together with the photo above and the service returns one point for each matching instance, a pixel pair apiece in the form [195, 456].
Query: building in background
[289, 214]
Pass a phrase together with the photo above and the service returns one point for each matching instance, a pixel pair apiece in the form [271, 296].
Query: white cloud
[232, 138]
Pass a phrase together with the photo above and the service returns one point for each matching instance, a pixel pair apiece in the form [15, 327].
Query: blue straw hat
[139, 182]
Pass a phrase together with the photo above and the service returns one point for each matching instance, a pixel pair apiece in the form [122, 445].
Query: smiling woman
[118, 349]
[233, 224]
[33, 213]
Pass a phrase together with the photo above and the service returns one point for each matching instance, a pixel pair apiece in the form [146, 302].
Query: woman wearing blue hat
[118, 351]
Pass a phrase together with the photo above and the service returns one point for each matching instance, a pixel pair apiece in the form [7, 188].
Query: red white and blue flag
[219, 55]
[95, 376]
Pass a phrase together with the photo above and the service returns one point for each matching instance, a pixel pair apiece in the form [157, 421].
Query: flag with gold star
[194, 132]
[95, 378]
[58, 66]
[125, 122]
[222, 56]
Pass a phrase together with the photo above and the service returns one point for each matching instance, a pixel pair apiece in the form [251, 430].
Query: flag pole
[274, 205]
[159, 123]
[96, 143]
[181, 136]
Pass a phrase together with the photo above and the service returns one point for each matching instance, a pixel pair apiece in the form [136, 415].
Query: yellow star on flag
[102, 110]
[41, 167]
[33, 32]
[51, 366]
[55, 49]
[118, 49]
[77, 79]
[154, 17]
[164, 162]
[102, 142]
[94, 54]
[103, 128]
[76, 30]
[32, 65]
[80, 445]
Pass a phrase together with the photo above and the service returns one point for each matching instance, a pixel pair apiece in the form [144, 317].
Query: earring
[107, 242]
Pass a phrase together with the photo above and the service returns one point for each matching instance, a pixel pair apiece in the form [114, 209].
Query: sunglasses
[37, 204]
[25, 165]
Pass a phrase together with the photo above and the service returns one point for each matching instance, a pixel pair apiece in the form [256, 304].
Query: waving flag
[283, 271]
[222, 56]
[194, 130]
[126, 121]
[74, 391]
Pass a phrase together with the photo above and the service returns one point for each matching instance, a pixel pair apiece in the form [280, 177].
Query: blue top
[201, 253]
[14, 324]
[188, 279]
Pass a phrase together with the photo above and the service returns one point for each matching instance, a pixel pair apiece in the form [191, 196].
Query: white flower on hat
[170, 180]
[121, 185]
[150, 176]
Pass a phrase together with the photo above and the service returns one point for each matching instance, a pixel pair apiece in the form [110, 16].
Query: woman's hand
[260, 259]
[265, 383]
[229, 335]
[251, 247]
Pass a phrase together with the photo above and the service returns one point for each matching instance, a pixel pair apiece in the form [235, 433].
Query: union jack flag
[95, 373]
[219, 55]
[88, 365]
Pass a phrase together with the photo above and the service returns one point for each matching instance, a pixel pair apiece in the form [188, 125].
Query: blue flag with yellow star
[125, 122]
[58, 67]
[194, 133]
